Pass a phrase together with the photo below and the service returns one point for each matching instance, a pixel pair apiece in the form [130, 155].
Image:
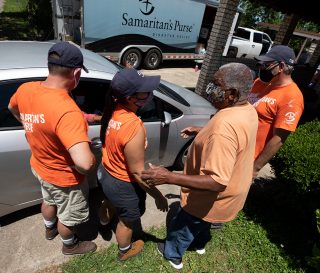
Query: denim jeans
[185, 230]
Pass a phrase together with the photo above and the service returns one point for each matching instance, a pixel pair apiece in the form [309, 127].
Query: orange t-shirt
[277, 107]
[224, 150]
[122, 127]
[53, 123]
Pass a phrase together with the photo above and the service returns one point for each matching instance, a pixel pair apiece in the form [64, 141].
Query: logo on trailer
[148, 7]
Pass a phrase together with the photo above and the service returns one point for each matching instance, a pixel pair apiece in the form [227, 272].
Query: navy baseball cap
[69, 56]
[279, 53]
[129, 81]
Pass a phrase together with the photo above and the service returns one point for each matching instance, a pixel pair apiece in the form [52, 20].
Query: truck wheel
[152, 59]
[232, 52]
[132, 57]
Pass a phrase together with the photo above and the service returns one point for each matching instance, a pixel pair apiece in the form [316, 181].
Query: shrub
[298, 161]
[40, 18]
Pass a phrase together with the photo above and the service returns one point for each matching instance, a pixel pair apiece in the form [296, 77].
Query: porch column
[216, 43]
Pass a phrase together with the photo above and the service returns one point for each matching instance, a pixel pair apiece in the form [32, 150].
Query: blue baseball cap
[69, 56]
[279, 53]
[129, 81]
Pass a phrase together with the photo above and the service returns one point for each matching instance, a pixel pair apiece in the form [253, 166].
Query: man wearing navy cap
[57, 134]
[278, 101]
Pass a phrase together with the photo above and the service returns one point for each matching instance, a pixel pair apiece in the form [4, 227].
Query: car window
[257, 37]
[90, 96]
[7, 89]
[153, 111]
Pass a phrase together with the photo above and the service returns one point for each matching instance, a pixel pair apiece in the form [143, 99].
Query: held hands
[155, 175]
[190, 131]
[161, 203]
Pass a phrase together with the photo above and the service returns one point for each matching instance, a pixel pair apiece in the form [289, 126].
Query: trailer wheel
[132, 57]
[153, 59]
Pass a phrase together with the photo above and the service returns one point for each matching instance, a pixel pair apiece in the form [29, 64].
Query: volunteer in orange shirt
[124, 142]
[57, 134]
[218, 169]
[278, 101]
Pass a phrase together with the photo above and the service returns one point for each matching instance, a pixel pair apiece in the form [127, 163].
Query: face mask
[215, 93]
[142, 102]
[266, 74]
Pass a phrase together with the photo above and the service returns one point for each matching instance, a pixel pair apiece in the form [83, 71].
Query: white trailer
[137, 32]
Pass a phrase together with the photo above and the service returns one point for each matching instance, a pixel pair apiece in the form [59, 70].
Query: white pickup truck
[249, 43]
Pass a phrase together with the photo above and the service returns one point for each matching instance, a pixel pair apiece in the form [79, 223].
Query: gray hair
[237, 76]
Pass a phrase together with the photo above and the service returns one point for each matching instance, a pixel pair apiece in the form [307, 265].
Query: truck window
[242, 33]
[257, 37]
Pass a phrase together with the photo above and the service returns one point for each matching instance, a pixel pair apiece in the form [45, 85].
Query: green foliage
[298, 160]
[241, 246]
[12, 6]
[254, 13]
[40, 18]
[314, 261]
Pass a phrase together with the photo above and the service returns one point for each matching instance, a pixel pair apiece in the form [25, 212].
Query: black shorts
[129, 199]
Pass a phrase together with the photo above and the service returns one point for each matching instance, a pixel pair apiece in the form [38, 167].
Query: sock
[69, 241]
[124, 249]
[50, 223]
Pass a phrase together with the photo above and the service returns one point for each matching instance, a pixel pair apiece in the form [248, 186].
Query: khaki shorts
[72, 202]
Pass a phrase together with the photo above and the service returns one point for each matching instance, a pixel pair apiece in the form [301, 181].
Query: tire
[181, 158]
[232, 52]
[133, 57]
[153, 59]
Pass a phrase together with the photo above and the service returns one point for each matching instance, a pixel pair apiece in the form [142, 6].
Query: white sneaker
[176, 265]
[201, 251]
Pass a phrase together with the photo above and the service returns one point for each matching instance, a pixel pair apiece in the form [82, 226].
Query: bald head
[236, 76]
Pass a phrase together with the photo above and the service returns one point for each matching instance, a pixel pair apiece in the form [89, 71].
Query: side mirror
[167, 119]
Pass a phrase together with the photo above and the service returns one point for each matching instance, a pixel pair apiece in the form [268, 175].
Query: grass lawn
[15, 5]
[268, 236]
[13, 21]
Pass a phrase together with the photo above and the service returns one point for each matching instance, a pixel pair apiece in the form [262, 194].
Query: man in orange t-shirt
[57, 135]
[218, 169]
[278, 101]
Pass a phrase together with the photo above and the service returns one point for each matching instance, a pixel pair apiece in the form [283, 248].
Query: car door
[92, 93]
[19, 188]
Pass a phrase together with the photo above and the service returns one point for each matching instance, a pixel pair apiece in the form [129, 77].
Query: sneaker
[201, 251]
[79, 247]
[136, 248]
[51, 233]
[176, 263]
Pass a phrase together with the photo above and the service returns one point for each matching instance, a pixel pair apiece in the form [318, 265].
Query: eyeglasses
[142, 99]
[268, 66]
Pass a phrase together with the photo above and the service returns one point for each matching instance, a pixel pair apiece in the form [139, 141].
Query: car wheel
[132, 57]
[152, 59]
[181, 158]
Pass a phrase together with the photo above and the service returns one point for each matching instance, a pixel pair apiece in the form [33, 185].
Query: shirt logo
[290, 117]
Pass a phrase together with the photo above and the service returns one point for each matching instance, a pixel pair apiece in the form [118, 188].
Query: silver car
[172, 109]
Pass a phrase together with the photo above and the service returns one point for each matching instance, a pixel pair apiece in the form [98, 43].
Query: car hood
[198, 104]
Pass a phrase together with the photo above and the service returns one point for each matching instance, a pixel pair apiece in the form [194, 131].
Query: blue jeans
[185, 231]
